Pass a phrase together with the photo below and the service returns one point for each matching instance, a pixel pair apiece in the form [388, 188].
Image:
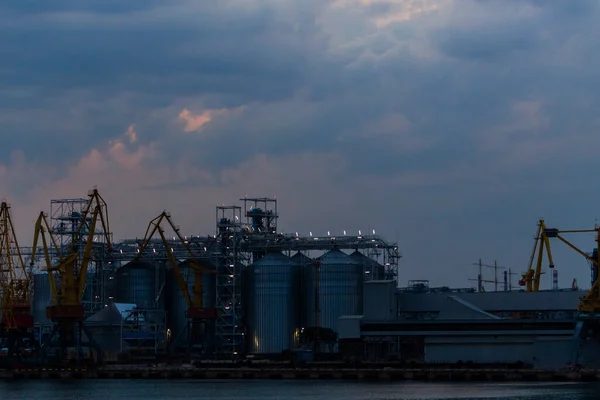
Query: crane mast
[14, 279]
[71, 270]
[196, 312]
[17, 343]
[531, 278]
[68, 276]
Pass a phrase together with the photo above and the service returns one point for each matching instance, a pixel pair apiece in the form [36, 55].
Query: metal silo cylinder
[371, 268]
[338, 285]
[42, 298]
[274, 308]
[140, 283]
[303, 261]
[177, 308]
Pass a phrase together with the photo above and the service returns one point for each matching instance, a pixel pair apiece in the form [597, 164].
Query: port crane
[531, 278]
[191, 288]
[68, 276]
[16, 338]
[588, 311]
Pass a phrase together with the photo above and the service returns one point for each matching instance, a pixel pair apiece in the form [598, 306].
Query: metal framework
[14, 279]
[145, 330]
[243, 234]
[137, 331]
[261, 214]
[65, 221]
[230, 261]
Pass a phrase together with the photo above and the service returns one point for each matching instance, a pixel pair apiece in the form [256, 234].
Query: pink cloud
[131, 134]
[195, 122]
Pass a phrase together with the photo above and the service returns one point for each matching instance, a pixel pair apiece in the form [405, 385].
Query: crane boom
[531, 279]
[590, 302]
[71, 269]
[193, 300]
[14, 278]
[42, 230]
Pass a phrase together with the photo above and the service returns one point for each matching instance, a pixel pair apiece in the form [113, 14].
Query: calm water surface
[294, 390]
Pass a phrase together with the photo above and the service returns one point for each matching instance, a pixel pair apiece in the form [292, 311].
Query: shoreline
[344, 374]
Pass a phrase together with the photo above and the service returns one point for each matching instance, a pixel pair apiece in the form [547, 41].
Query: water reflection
[293, 390]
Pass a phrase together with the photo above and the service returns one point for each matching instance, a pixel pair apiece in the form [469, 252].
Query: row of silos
[281, 295]
[148, 285]
[154, 286]
[284, 294]
[42, 295]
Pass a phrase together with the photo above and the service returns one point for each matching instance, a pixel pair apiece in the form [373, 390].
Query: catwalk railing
[205, 247]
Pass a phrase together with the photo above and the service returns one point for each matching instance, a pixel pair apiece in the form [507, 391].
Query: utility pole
[510, 275]
[481, 281]
[496, 267]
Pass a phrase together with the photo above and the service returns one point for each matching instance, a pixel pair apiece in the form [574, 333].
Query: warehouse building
[451, 327]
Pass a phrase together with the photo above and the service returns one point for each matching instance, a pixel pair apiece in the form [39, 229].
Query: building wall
[349, 327]
[478, 349]
[380, 301]
[493, 301]
[552, 353]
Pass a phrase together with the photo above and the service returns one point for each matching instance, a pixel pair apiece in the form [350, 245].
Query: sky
[448, 126]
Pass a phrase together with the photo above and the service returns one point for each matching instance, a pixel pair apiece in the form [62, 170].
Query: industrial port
[252, 297]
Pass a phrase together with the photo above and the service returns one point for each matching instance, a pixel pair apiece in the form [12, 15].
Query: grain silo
[371, 268]
[42, 298]
[336, 283]
[140, 283]
[273, 304]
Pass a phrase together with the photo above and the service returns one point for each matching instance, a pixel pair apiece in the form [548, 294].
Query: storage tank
[371, 268]
[42, 298]
[140, 283]
[303, 261]
[339, 287]
[177, 306]
[273, 309]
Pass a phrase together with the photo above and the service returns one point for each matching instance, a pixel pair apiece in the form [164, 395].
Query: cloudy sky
[449, 126]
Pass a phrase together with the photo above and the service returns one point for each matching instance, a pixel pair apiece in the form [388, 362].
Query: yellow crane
[14, 279]
[42, 230]
[68, 276]
[531, 278]
[195, 311]
[590, 302]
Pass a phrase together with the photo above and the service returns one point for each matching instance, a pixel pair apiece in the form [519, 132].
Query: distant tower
[261, 219]
[65, 219]
[261, 214]
[555, 279]
[229, 288]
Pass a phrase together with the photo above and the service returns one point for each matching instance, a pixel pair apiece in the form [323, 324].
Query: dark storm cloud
[490, 45]
[443, 121]
[97, 6]
[80, 73]
[120, 66]
[129, 52]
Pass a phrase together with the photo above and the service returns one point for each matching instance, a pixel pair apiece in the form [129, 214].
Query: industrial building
[246, 290]
[249, 290]
[461, 326]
